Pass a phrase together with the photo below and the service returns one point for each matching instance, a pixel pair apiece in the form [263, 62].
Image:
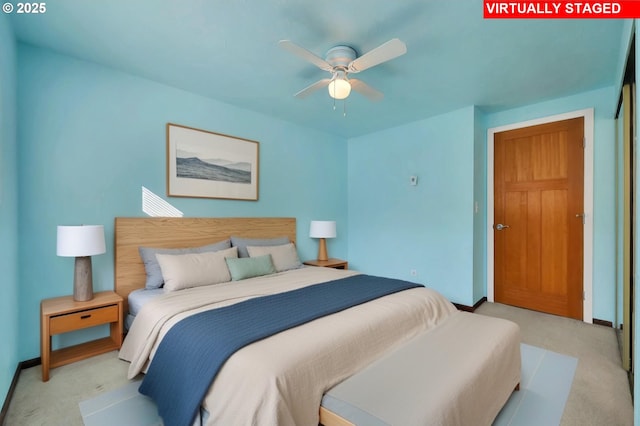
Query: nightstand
[331, 263]
[63, 314]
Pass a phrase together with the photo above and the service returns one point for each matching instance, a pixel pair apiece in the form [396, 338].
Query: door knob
[500, 227]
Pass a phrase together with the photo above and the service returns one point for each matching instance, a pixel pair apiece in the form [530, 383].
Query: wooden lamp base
[322, 250]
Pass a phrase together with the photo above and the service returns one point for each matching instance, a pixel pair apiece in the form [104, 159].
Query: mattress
[139, 298]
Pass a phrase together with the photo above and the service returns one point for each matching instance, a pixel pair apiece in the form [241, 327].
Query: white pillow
[284, 256]
[181, 271]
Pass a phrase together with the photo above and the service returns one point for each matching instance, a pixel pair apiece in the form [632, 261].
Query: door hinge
[584, 143]
[584, 295]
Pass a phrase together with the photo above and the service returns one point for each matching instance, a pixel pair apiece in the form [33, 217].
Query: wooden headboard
[133, 232]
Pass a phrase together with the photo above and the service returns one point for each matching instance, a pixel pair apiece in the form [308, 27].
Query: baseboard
[470, 308]
[21, 366]
[602, 322]
[484, 299]
[7, 400]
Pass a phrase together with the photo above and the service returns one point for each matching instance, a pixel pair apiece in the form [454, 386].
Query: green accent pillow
[248, 267]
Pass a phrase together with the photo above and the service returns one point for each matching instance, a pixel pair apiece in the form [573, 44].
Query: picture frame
[204, 164]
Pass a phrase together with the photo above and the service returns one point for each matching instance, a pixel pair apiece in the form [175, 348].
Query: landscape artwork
[210, 165]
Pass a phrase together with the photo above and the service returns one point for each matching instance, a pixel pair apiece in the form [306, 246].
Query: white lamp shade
[322, 229]
[339, 88]
[83, 240]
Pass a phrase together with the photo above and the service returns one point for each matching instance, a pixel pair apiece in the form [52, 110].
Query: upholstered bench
[460, 373]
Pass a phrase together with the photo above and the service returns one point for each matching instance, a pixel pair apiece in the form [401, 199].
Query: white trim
[588, 202]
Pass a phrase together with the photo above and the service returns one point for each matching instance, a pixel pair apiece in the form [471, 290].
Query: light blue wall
[8, 209]
[395, 227]
[90, 137]
[432, 228]
[604, 212]
[480, 206]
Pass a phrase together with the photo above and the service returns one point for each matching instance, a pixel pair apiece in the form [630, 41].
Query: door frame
[587, 284]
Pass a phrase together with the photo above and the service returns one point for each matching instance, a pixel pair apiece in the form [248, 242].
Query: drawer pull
[85, 316]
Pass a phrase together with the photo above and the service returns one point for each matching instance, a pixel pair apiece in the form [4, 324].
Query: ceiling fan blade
[366, 90]
[305, 54]
[312, 88]
[385, 52]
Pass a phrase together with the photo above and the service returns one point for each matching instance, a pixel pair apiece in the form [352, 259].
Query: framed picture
[210, 165]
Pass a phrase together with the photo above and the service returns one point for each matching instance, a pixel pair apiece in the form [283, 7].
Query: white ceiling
[228, 50]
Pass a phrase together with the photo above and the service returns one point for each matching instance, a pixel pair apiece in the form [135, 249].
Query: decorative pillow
[148, 256]
[284, 257]
[195, 269]
[242, 243]
[248, 267]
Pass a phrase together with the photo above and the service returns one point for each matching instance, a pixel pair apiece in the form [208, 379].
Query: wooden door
[539, 217]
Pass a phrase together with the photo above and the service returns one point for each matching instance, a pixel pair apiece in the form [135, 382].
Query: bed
[281, 380]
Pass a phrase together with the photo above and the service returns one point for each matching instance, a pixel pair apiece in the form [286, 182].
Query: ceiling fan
[341, 61]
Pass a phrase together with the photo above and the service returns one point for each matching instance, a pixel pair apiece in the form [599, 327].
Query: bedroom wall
[394, 227]
[433, 228]
[8, 209]
[604, 102]
[91, 136]
[479, 206]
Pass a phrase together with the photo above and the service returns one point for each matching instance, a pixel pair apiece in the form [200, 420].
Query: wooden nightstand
[331, 263]
[63, 314]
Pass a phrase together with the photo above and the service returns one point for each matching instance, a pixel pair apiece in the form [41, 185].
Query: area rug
[546, 382]
[121, 406]
[544, 388]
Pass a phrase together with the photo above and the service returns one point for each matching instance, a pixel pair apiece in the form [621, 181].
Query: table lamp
[81, 242]
[322, 229]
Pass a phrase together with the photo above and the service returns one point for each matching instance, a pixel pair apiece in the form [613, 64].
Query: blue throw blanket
[193, 351]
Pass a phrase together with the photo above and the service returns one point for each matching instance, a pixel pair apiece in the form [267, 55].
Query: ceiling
[228, 51]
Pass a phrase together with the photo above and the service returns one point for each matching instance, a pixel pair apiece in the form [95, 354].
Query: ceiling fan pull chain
[334, 103]
[344, 108]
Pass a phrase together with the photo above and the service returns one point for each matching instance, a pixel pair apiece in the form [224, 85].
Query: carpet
[546, 382]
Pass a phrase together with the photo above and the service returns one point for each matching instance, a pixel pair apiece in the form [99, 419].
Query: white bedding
[280, 380]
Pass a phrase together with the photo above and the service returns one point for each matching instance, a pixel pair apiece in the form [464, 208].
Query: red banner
[518, 9]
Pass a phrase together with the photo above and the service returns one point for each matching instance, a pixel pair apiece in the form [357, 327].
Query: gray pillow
[152, 267]
[284, 256]
[248, 267]
[242, 243]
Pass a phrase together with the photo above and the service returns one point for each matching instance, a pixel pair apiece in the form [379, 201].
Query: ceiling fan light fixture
[339, 88]
[342, 61]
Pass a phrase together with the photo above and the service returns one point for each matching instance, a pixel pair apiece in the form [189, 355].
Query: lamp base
[322, 250]
[82, 279]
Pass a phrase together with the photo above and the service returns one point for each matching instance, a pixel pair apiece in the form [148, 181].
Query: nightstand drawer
[77, 320]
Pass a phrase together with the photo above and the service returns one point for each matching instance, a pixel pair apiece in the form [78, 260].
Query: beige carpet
[599, 395]
[55, 402]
